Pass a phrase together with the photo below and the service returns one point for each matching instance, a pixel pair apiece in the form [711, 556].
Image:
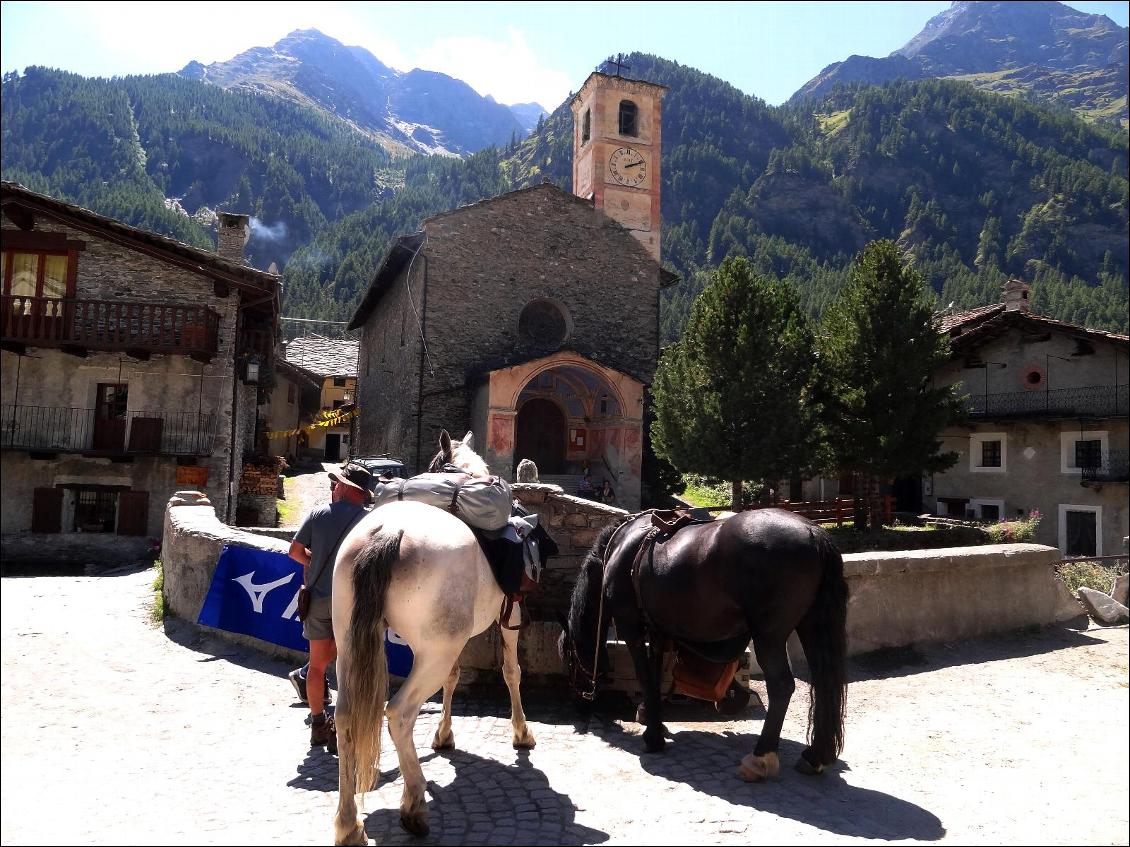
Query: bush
[157, 613]
[1012, 532]
[1078, 575]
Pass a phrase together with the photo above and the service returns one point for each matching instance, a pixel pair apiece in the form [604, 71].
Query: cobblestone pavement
[118, 732]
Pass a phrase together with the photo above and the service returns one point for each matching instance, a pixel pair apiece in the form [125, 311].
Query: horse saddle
[516, 554]
[670, 521]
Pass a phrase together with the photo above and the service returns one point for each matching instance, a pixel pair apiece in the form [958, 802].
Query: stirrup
[509, 601]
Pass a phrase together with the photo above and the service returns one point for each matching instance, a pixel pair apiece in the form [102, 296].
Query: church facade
[531, 318]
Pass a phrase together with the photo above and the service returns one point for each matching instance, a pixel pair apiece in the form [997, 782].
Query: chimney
[234, 233]
[1015, 297]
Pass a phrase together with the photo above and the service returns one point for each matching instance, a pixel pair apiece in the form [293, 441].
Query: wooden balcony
[134, 327]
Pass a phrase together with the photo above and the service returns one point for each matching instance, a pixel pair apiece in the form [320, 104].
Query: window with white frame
[1079, 450]
[985, 510]
[988, 452]
[1080, 530]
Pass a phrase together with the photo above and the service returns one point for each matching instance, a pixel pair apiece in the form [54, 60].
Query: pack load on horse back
[421, 570]
[709, 588]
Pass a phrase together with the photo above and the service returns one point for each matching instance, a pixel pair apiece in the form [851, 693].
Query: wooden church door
[540, 436]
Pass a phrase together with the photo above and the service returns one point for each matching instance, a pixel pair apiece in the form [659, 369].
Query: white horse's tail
[366, 675]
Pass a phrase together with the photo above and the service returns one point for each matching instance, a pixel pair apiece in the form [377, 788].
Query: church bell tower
[617, 125]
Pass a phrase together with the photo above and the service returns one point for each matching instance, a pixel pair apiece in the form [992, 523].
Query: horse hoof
[760, 768]
[447, 742]
[807, 768]
[653, 741]
[525, 741]
[415, 823]
[356, 835]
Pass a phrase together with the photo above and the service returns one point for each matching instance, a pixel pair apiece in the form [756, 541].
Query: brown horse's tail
[823, 634]
[366, 671]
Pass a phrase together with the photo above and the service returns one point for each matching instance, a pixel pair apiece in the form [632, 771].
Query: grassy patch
[699, 492]
[1076, 575]
[288, 509]
[158, 611]
[832, 123]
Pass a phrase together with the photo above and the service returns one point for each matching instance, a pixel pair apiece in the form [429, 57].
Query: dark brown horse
[714, 587]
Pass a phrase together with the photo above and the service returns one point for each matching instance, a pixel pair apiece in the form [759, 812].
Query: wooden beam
[20, 215]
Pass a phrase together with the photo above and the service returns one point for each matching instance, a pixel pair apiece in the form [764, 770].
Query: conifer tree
[880, 348]
[733, 398]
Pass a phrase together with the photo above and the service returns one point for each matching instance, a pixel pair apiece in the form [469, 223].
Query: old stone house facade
[124, 372]
[330, 363]
[531, 318]
[1047, 428]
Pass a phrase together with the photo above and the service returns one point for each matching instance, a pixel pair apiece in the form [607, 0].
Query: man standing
[315, 547]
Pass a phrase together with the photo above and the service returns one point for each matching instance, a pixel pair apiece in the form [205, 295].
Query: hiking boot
[299, 682]
[324, 733]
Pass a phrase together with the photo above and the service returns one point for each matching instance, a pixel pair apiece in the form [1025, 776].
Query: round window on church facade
[543, 323]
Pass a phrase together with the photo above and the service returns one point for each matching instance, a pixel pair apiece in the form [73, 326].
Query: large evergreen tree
[880, 348]
[733, 397]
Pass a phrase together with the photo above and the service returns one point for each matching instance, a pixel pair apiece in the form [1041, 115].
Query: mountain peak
[1043, 50]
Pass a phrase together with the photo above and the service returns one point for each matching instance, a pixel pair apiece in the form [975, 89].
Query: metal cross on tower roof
[618, 62]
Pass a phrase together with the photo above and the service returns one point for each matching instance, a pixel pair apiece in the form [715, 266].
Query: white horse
[419, 570]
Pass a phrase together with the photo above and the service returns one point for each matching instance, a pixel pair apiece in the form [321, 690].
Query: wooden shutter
[47, 510]
[145, 435]
[133, 512]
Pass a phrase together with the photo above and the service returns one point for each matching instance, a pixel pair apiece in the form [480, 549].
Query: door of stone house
[1082, 533]
[540, 436]
[333, 446]
[110, 417]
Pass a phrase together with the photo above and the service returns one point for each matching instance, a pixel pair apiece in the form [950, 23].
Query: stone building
[531, 318]
[1047, 427]
[315, 376]
[128, 370]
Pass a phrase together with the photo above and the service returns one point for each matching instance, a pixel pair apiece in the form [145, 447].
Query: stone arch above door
[603, 419]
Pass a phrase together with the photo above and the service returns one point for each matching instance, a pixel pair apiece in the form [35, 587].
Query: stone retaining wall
[897, 599]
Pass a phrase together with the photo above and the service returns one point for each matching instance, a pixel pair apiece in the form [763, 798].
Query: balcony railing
[1115, 468]
[110, 325]
[1089, 401]
[53, 429]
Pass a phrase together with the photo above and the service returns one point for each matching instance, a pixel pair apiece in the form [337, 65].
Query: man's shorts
[319, 624]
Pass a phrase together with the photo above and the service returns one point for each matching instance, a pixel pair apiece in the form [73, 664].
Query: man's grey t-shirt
[320, 533]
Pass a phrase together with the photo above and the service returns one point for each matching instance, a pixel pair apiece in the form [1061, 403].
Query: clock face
[628, 166]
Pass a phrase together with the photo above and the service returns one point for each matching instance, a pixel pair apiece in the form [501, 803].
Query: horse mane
[467, 459]
[592, 568]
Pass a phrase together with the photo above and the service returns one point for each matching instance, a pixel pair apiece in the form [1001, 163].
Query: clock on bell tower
[617, 125]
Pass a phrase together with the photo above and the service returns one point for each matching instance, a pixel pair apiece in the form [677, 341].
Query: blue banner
[255, 592]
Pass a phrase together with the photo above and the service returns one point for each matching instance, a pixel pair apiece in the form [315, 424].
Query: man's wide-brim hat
[354, 476]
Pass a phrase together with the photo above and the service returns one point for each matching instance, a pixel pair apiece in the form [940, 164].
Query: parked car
[379, 466]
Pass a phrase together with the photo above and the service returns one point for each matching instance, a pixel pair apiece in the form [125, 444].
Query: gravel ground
[119, 732]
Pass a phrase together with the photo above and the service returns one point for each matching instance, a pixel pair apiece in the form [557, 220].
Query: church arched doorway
[540, 435]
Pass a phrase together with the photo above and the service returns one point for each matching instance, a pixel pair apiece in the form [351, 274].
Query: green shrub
[1078, 575]
[157, 613]
[1010, 532]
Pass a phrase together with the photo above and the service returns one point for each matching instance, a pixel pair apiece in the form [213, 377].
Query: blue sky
[516, 52]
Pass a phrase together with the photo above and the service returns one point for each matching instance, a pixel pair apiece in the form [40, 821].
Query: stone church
[531, 318]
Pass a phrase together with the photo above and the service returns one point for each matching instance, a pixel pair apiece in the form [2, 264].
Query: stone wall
[191, 545]
[573, 523]
[897, 599]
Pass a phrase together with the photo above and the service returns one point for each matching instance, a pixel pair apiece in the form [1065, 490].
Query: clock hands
[633, 164]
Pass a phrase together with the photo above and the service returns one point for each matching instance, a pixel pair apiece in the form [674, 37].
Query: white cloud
[508, 70]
